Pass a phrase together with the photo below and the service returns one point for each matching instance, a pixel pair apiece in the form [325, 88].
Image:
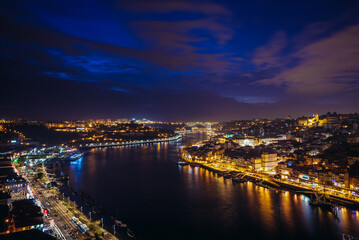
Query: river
[143, 186]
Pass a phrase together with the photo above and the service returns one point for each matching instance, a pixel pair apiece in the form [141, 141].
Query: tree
[40, 175]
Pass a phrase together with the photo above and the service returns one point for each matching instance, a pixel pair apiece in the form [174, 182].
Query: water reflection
[144, 187]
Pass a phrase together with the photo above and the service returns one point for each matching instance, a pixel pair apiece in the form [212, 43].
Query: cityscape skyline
[151, 121]
[178, 60]
[55, 178]
[179, 119]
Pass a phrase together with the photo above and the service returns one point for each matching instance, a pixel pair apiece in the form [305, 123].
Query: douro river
[143, 186]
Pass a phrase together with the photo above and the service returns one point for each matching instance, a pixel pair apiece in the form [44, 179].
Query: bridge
[112, 144]
[183, 131]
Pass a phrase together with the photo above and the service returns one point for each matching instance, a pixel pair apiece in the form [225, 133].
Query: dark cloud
[329, 65]
[270, 55]
[172, 60]
[178, 44]
[176, 6]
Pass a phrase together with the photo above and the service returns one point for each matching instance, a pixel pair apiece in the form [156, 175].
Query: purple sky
[178, 60]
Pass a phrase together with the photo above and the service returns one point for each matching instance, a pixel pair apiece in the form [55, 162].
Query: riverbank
[274, 184]
[91, 214]
[78, 209]
[113, 144]
[143, 187]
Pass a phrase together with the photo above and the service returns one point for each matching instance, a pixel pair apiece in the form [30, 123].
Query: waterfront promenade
[267, 180]
[61, 210]
[113, 144]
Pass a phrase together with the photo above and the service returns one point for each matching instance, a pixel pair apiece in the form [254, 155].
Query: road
[58, 212]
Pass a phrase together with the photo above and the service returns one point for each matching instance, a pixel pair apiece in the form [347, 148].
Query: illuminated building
[257, 163]
[245, 142]
[315, 121]
[13, 185]
[269, 161]
[267, 141]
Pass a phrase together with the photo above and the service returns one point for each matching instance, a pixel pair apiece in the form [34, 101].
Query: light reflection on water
[144, 187]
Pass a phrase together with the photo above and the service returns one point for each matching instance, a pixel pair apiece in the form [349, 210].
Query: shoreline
[78, 207]
[113, 144]
[274, 184]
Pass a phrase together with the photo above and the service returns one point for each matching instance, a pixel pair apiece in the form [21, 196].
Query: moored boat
[182, 163]
[75, 156]
[130, 233]
[120, 224]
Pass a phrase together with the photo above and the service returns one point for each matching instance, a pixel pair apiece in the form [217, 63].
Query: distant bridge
[112, 144]
[182, 131]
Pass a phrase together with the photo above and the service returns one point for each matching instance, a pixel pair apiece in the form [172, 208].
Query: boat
[182, 163]
[324, 205]
[238, 180]
[320, 200]
[227, 175]
[130, 233]
[120, 224]
[75, 156]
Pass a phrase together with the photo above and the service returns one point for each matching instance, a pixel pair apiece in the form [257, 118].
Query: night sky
[178, 60]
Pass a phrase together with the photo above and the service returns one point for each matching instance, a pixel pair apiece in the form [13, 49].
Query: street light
[90, 216]
[81, 209]
[74, 203]
[102, 222]
[114, 230]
